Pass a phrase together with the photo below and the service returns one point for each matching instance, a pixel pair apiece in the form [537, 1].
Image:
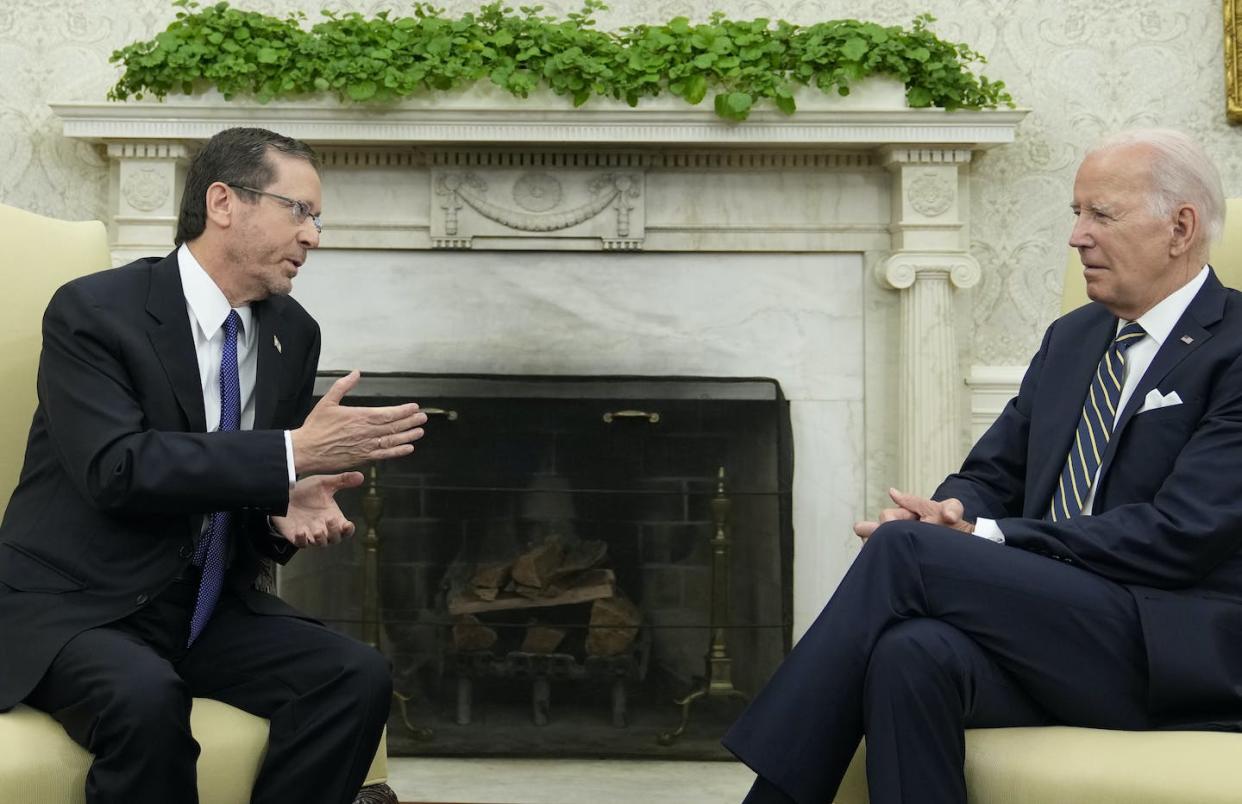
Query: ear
[221, 205]
[1186, 231]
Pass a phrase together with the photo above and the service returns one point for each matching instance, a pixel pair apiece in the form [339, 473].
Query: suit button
[141, 600]
[186, 550]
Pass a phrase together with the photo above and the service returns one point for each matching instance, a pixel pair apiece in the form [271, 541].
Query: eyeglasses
[301, 211]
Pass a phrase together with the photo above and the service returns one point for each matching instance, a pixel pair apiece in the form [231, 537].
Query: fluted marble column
[146, 183]
[929, 262]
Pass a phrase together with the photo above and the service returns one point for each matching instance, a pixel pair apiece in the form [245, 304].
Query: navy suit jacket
[1168, 506]
[119, 469]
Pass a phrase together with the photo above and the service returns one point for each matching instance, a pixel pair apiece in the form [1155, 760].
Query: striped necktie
[1099, 411]
[213, 548]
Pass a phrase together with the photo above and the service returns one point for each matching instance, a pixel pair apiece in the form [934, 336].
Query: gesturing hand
[912, 507]
[336, 437]
[314, 518]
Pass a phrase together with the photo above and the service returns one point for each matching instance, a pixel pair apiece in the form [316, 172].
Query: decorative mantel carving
[480, 170]
[594, 208]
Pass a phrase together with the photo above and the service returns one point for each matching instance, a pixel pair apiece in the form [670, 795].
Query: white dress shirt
[1157, 323]
[208, 308]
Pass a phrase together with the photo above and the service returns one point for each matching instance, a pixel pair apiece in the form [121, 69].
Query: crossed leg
[933, 631]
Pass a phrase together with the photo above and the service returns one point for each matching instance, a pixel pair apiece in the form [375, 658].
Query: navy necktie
[1095, 427]
[213, 548]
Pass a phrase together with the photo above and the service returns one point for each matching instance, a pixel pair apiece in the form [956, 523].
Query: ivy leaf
[696, 88]
[854, 49]
[439, 46]
[736, 104]
[918, 97]
[267, 55]
[361, 91]
[785, 101]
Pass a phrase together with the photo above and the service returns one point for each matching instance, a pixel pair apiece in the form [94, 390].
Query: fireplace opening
[568, 566]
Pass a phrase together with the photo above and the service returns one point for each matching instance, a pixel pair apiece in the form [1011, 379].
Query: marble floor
[572, 781]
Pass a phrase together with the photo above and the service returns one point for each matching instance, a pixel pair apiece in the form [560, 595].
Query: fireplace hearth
[569, 566]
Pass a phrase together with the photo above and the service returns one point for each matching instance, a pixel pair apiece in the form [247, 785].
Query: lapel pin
[1187, 339]
[276, 342]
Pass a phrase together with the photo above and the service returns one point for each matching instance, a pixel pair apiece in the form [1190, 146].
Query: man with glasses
[173, 451]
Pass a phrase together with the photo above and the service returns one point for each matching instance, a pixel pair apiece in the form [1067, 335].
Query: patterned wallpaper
[1082, 68]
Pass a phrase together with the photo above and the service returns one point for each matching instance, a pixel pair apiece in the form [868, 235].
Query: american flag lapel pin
[276, 342]
[1187, 339]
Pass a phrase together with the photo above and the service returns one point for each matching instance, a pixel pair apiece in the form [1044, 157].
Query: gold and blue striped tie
[1099, 411]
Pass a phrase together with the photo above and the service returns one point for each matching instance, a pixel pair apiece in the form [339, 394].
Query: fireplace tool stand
[372, 509]
[718, 681]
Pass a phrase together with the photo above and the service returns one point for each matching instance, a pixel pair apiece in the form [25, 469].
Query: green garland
[384, 59]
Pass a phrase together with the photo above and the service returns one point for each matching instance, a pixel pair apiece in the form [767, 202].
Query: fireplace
[472, 232]
[564, 557]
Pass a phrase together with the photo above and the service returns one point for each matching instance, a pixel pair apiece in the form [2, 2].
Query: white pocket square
[1156, 400]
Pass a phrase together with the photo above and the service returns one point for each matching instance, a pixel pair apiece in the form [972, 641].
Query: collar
[1159, 321]
[208, 305]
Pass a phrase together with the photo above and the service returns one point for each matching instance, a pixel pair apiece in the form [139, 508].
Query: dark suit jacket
[1168, 506]
[119, 471]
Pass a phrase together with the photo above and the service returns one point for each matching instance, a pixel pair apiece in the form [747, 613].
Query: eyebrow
[303, 202]
[1104, 209]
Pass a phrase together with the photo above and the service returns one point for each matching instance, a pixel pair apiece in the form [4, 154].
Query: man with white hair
[1084, 567]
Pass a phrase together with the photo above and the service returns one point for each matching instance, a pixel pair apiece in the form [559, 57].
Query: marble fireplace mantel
[479, 171]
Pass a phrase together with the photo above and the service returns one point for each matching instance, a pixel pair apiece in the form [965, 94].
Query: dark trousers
[123, 692]
[931, 632]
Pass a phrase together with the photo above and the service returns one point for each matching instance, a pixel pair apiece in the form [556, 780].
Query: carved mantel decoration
[481, 171]
[592, 201]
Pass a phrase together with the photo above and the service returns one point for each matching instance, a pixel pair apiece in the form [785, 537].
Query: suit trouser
[123, 692]
[933, 631]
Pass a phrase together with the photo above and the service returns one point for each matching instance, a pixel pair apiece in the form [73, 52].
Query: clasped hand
[914, 508]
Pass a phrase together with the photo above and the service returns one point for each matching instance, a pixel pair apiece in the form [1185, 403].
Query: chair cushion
[43, 254]
[38, 761]
[1093, 766]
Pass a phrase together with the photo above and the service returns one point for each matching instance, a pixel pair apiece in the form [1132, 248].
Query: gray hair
[1181, 173]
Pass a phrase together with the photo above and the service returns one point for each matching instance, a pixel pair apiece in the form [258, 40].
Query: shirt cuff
[988, 529]
[293, 477]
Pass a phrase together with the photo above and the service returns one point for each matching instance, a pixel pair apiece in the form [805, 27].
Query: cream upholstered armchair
[1095, 766]
[38, 761]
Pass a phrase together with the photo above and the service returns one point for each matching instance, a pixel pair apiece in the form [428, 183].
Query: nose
[1079, 236]
[308, 235]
